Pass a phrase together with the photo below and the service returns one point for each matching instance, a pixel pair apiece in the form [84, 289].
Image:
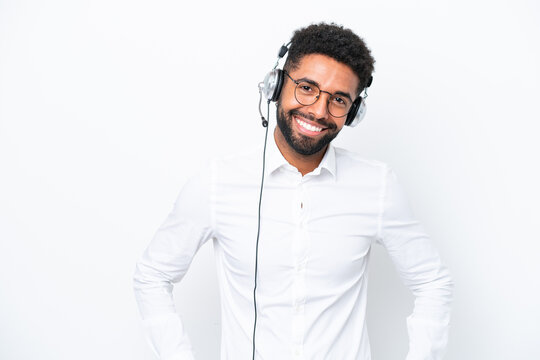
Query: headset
[272, 84]
[270, 89]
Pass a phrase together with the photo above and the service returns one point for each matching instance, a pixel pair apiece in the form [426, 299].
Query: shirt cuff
[167, 337]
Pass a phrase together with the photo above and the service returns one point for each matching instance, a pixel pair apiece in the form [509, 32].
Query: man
[322, 208]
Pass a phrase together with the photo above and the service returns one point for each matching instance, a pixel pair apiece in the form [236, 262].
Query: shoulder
[347, 160]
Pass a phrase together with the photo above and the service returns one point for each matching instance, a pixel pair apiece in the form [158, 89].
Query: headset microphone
[263, 119]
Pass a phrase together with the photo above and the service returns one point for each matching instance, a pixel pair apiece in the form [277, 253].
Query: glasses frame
[297, 82]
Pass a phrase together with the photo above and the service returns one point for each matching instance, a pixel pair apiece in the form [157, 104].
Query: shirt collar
[275, 160]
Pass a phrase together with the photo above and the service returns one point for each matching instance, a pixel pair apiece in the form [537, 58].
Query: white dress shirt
[315, 240]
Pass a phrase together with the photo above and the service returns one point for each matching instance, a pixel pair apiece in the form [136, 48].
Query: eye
[306, 88]
[340, 101]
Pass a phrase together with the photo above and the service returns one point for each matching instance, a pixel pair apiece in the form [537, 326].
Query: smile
[304, 125]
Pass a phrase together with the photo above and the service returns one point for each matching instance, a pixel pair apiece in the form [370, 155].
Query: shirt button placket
[300, 247]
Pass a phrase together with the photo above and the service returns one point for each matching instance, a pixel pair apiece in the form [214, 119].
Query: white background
[107, 107]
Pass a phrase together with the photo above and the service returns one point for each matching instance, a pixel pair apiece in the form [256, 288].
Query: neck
[304, 163]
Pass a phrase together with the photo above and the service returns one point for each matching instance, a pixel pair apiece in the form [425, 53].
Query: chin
[301, 144]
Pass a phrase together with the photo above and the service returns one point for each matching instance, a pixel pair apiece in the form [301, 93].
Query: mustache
[331, 126]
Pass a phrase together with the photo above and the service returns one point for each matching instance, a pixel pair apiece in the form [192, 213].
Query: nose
[319, 108]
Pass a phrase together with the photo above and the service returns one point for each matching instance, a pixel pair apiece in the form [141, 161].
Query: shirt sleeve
[166, 261]
[419, 265]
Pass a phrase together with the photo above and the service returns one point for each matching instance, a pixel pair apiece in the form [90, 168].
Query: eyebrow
[313, 82]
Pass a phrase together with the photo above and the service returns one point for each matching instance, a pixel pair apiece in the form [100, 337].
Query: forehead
[330, 74]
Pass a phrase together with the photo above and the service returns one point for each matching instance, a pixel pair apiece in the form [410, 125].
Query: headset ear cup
[271, 86]
[357, 112]
[352, 112]
[279, 85]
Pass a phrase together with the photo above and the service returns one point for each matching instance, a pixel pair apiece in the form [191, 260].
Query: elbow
[148, 278]
[437, 289]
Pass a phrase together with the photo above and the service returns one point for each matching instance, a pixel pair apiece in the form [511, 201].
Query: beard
[300, 143]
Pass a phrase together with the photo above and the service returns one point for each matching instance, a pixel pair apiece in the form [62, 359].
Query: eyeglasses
[307, 93]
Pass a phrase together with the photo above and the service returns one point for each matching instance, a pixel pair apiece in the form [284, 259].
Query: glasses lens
[338, 105]
[306, 93]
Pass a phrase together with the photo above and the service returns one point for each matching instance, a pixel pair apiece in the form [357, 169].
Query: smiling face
[306, 130]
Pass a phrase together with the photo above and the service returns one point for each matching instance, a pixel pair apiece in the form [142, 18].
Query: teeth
[305, 125]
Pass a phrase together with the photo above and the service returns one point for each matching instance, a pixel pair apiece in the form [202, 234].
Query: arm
[420, 267]
[166, 261]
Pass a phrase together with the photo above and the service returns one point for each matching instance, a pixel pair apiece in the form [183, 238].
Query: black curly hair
[335, 41]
